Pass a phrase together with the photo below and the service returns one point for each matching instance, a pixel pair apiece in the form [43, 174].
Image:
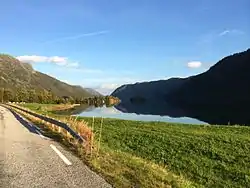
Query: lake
[112, 112]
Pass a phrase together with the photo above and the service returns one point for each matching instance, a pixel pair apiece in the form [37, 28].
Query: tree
[2, 94]
[71, 100]
[32, 96]
[21, 95]
[8, 95]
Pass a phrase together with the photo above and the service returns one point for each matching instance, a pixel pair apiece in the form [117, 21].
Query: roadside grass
[47, 108]
[158, 154]
[126, 170]
[210, 156]
[119, 168]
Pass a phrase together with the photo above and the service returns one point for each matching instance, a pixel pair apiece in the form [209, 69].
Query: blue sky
[103, 44]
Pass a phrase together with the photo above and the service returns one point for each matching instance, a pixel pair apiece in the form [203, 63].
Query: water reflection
[118, 113]
[219, 115]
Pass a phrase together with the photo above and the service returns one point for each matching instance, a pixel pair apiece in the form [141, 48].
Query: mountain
[223, 92]
[220, 95]
[146, 97]
[15, 75]
[225, 83]
[148, 90]
[93, 92]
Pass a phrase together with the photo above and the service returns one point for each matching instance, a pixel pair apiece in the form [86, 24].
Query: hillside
[16, 75]
[223, 91]
[217, 96]
[93, 92]
[227, 83]
[148, 97]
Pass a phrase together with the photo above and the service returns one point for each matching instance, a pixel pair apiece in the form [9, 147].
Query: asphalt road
[27, 159]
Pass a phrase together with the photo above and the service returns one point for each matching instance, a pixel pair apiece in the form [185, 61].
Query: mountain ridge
[15, 75]
[92, 91]
[221, 95]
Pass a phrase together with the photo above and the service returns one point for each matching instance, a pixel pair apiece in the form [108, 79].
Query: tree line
[47, 97]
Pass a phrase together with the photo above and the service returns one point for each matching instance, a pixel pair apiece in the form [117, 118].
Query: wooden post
[75, 119]
[2, 94]
[68, 134]
[100, 135]
[92, 137]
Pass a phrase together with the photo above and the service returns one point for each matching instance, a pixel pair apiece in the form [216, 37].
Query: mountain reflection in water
[222, 115]
[123, 112]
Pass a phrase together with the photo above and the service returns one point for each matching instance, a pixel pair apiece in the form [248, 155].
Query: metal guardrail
[53, 121]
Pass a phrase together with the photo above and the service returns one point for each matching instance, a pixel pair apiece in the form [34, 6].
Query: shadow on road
[25, 123]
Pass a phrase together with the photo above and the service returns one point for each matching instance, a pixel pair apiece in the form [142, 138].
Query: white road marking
[65, 160]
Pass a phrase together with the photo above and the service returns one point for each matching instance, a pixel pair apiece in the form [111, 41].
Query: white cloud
[58, 60]
[211, 37]
[109, 86]
[73, 65]
[61, 61]
[32, 58]
[75, 69]
[77, 36]
[194, 64]
[233, 31]
[224, 32]
[67, 82]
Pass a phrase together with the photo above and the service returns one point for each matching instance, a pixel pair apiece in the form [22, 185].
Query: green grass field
[154, 154]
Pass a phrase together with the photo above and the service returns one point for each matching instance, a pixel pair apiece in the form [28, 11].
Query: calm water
[111, 112]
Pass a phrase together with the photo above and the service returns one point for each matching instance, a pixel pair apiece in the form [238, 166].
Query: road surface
[27, 159]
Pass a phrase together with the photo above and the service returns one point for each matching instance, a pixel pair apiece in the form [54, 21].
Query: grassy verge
[45, 108]
[153, 154]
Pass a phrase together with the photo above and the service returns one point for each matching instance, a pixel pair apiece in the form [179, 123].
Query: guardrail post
[68, 135]
[52, 123]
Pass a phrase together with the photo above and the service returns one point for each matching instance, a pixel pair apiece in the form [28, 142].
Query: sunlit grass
[189, 155]
[205, 155]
